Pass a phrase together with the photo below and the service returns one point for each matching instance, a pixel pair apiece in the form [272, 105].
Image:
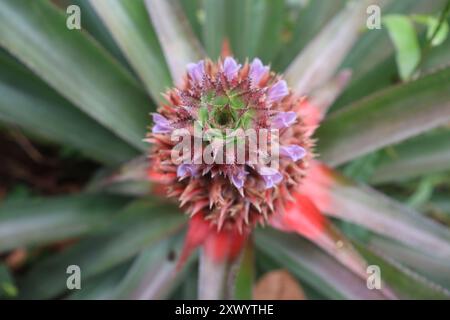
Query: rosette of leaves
[92, 90]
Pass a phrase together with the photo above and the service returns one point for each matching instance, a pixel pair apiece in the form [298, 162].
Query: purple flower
[271, 176]
[257, 71]
[293, 151]
[238, 178]
[185, 170]
[196, 71]
[284, 119]
[230, 68]
[162, 125]
[278, 91]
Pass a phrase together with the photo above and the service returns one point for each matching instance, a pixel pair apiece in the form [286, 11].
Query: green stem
[213, 279]
[429, 42]
[442, 18]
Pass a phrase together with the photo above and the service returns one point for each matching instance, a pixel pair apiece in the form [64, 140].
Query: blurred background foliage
[63, 128]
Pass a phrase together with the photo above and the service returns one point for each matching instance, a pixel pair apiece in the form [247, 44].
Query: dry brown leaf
[16, 259]
[278, 285]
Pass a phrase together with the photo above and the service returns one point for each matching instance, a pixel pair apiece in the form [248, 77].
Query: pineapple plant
[357, 208]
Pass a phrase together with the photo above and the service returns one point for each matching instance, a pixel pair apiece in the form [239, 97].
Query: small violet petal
[162, 125]
[278, 91]
[257, 71]
[196, 71]
[184, 170]
[271, 176]
[293, 151]
[230, 68]
[159, 119]
[238, 178]
[158, 129]
[284, 119]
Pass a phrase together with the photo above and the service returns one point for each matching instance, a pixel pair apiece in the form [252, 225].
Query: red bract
[219, 245]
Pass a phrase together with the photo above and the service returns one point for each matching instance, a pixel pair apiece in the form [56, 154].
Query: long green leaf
[405, 282]
[177, 39]
[254, 27]
[245, 276]
[321, 58]
[314, 267]
[440, 204]
[129, 178]
[214, 28]
[403, 35]
[336, 244]
[341, 198]
[382, 75]
[101, 287]
[37, 222]
[431, 271]
[320, 272]
[153, 274]
[376, 69]
[421, 155]
[29, 103]
[193, 11]
[437, 58]
[129, 24]
[387, 117]
[137, 227]
[92, 23]
[432, 268]
[310, 20]
[188, 289]
[74, 65]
